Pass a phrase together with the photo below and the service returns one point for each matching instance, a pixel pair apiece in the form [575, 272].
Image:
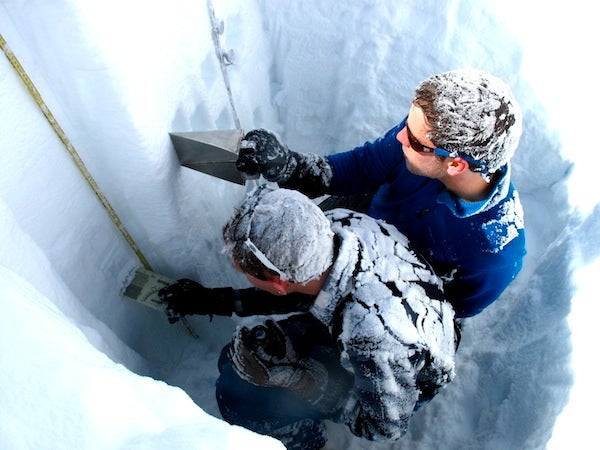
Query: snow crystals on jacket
[397, 335]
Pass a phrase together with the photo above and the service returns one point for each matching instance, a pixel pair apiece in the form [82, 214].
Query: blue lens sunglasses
[476, 166]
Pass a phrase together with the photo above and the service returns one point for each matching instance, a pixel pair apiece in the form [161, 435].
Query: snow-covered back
[388, 314]
[82, 367]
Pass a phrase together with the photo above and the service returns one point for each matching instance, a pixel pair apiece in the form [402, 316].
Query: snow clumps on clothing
[396, 331]
[292, 232]
[475, 115]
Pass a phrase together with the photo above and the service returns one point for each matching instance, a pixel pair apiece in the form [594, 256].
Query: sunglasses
[476, 166]
[416, 145]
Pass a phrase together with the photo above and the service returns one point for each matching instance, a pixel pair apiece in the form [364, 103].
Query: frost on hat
[292, 232]
[475, 115]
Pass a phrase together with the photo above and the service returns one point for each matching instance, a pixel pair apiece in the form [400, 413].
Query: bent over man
[378, 339]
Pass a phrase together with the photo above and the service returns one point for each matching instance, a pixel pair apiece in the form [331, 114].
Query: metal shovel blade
[212, 152]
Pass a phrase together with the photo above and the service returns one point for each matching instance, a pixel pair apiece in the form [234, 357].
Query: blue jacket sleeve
[364, 169]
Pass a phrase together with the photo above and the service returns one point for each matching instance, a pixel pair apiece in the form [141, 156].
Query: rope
[71, 149]
[216, 32]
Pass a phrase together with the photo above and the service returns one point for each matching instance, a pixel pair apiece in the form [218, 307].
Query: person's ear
[456, 166]
[280, 286]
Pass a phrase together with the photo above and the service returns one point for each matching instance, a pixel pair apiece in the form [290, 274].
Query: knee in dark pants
[223, 357]
[271, 411]
[303, 435]
[260, 409]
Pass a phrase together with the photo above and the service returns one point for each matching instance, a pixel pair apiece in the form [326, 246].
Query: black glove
[188, 297]
[261, 153]
[264, 356]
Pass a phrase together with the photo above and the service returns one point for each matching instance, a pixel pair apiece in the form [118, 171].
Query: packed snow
[83, 367]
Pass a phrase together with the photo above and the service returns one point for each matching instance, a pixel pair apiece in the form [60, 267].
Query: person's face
[266, 285]
[419, 163]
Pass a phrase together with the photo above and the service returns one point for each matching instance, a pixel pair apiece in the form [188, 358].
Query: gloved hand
[261, 153]
[188, 297]
[263, 355]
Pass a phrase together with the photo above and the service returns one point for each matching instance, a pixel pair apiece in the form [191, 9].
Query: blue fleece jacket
[477, 248]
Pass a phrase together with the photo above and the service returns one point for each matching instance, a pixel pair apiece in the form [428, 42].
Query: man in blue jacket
[441, 176]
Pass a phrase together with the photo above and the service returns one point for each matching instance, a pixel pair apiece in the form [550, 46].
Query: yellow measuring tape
[78, 162]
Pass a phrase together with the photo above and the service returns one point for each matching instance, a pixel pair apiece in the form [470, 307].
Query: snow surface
[82, 367]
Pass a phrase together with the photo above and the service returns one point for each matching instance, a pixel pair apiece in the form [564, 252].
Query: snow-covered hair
[279, 232]
[472, 113]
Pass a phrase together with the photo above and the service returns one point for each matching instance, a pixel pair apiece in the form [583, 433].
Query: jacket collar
[339, 282]
[462, 208]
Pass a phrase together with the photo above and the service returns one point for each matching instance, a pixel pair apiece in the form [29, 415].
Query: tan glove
[264, 356]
